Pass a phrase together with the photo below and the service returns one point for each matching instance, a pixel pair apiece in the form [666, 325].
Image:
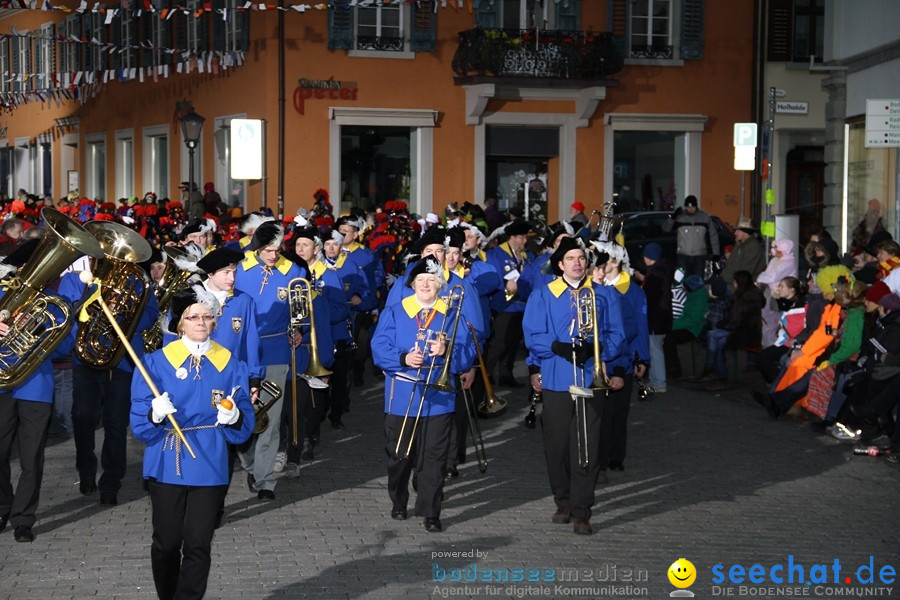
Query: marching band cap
[269, 233]
[192, 227]
[347, 220]
[432, 235]
[19, 256]
[518, 227]
[219, 259]
[309, 233]
[429, 264]
[196, 294]
[332, 235]
[456, 237]
[564, 247]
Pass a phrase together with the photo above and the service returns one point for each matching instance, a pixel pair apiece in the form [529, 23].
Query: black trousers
[184, 519]
[363, 332]
[428, 458]
[339, 382]
[26, 422]
[670, 348]
[572, 485]
[100, 394]
[504, 343]
[614, 424]
[769, 362]
[457, 453]
[307, 413]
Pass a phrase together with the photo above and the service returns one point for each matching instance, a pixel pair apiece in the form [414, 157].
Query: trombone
[442, 383]
[586, 326]
[261, 408]
[491, 406]
[300, 305]
[475, 428]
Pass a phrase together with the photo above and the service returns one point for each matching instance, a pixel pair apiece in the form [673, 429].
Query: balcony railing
[380, 44]
[536, 54]
[653, 52]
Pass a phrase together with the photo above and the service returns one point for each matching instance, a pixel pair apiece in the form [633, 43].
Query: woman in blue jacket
[198, 375]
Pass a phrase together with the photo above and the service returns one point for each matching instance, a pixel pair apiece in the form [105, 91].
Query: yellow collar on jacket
[352, 247]
[623, 282]
[251, 260]
[559, 285]
[412, 308]
[176, 353]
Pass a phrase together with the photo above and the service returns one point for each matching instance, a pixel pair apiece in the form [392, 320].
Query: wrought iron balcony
[566, 55]
[655, 51]
[382, 44]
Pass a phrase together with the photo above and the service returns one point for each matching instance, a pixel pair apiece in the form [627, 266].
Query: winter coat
[693, 232]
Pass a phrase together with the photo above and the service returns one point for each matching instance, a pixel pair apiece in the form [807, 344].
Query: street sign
[792, 108]
[882, 123]
[745, 135]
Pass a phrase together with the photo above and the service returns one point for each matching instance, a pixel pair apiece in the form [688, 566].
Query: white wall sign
[882, 123]
[745, 146]
[246, 149]
[792, 108]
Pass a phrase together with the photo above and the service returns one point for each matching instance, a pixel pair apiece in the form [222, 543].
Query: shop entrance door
[517, 162]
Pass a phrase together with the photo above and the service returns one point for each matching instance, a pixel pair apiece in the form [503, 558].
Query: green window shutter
[692, 29]
[617, 17]
[423, 30]
[340, 27]
[779, 46]
[568, 15]
[488, 16]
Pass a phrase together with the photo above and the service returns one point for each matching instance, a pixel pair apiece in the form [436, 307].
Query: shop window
[658, 30]
[871, 187]
[43, 168]
[156, 161]
[6, 170]
[125, 164]
[645, 171]
[377, 165]
[796, 30]
[390, 30]
[95, 165]
[232, 191]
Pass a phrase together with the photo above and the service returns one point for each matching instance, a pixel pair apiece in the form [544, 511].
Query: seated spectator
[742, 327]
[687, 327]
[781, 265]
[888, 255]
[718, 304]
[10, 233]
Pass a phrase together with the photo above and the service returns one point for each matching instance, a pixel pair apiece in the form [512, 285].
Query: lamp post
[191, 128]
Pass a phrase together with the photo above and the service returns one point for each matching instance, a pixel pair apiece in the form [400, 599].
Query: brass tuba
[39, 322]
[180, 266]
[125, 288]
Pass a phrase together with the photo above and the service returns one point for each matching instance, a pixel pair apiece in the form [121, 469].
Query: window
[380, 28]
[123, 56]
[156, 160]
[45, 58]
[70, 55]
[4, 64]
[22, 63]
[95, 165]
[156, 34]
[43, 167]
[192, 31]
[872, 185]
[125, 164]
[796, 30]
[651, 29]
[232, 191]
[232, 35]
[395, 30]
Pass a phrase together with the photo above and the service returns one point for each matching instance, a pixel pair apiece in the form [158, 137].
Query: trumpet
[491, 406]
[457, 293]
[261, 408]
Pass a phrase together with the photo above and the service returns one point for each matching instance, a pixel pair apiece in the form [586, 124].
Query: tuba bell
[39, 322]
[180, 267]
[125, 288]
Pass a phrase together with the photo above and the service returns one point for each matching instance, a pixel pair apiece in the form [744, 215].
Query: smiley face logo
[682, 573]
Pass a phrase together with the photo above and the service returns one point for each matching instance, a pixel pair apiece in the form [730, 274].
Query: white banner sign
[246, 149]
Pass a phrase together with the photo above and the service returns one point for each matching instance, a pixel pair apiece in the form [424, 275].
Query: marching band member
[508, 303]
[264, 275]
[612, 269]
[550, 328]
[249, 223]
[331, 317]
[195, 233]
[25, 417]
[198, 375]
[409, 347]
[361, 299]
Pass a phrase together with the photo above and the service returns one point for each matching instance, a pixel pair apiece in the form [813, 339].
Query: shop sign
[792, 108]
[322, 89]
[882, 123]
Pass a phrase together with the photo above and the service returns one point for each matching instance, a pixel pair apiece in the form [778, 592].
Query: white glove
[162, 407]
[228, 416]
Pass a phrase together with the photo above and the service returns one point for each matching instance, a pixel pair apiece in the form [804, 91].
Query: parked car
[641, 228]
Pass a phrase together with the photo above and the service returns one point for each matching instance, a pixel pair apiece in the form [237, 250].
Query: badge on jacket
[217, 397]
[282, 293]
[236, 324]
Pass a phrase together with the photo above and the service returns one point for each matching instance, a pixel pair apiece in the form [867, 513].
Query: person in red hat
[576, 214]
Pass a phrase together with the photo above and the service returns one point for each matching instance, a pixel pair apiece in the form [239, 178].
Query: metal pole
[280, 109]
[743, 174]
[265, 177]
[190, 202]
[767, 212]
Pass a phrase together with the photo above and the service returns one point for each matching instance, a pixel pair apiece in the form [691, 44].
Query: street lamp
[191, 128]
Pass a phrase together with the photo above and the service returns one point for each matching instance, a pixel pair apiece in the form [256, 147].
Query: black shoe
[398, 514]
[616, 466]
[337, 424]
[583, 526]
[433, 525]
[415, 483]
[251, 481]
[602, 477]
[765, 400]
[24, 534]
[452, 473]
[87, 487]
[562, 516]
[4, 519]
[109, 498]
[266, 495]
[509, 381]
[220, 518]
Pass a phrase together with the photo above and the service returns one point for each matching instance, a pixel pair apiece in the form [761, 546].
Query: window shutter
[180, 23]
[488, 16]
[424, 27]
[243, 43]
[219, 26]
[780, 30]
[692, 29]
[147, 36]
[618, 25]
[568, 15]
[340, 27]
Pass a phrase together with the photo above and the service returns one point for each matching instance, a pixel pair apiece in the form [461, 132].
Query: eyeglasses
[196, 318]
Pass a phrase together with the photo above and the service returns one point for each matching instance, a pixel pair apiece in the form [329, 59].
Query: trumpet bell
[491, 407]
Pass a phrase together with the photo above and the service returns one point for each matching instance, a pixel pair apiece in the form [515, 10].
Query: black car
[641, 228]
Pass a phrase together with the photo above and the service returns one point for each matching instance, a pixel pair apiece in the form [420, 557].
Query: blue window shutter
[340, 27]
[423, 30]
[568, 15]
[692, 29]
[617, 17]
[488, 16]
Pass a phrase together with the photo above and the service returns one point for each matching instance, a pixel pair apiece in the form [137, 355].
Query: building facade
[533, 103]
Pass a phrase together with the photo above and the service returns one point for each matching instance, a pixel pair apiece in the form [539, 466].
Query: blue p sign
[745, 135]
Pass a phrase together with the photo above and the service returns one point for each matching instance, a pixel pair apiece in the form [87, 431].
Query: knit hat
[653, 251]
[690, 201]
[577, 206]
[877, 291]
[692, 283]
[718, 287]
